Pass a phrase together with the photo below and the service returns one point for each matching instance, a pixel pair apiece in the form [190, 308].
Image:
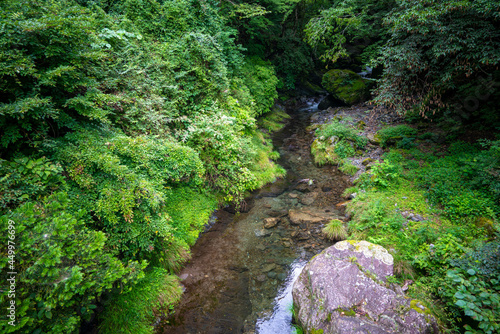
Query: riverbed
[240, 276]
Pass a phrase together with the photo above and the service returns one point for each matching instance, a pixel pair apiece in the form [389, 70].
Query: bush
[342, 131]
[383, 174]
[27, 179]
[62, 267]
[464, 182]
[335, 143]
[393, 134]
[261, 81]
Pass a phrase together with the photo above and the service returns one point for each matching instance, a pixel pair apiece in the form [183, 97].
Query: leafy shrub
[384, 173]
[406, 143]
[120, 180]
[261, 81]
[323, 153]
[342, 131]
[473, 287]
[61, 265]
[392, 134]
[418, 32]
[24, 179]
[189, 211]
[335, 143]
[478, 298]
[464, 182]
[468, 204]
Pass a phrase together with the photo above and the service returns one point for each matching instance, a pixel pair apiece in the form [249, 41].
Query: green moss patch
[345, 85]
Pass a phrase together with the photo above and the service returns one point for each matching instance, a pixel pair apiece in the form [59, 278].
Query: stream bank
[239, 266]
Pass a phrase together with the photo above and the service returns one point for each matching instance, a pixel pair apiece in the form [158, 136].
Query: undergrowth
[335, 143]
[134, 311]
[438, 216]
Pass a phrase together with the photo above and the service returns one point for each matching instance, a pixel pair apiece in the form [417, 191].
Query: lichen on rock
[368, 249]
[342, 291]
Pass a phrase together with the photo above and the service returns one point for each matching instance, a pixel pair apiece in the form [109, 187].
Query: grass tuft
[335, 230]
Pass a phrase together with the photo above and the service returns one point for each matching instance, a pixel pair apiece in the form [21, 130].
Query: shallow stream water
[240, 277]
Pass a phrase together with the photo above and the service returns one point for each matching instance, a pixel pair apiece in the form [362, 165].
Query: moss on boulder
[345, 85]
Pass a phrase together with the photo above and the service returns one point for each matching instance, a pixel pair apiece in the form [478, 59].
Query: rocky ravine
[343, 290]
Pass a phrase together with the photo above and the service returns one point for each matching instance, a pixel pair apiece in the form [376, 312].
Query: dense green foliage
[138, 117]
[349, 25]
[440, 50]
[63, 267]
[396, 134]
[273, 29]
[135, 310]
[451, 251]
[439, 58]
[125, 123]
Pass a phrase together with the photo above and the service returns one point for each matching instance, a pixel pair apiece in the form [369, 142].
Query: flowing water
[240, 277]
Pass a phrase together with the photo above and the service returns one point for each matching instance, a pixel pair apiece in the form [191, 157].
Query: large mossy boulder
[346, 86]
[343, 290]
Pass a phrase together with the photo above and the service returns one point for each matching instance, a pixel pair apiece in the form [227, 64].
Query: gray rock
[342, 290]
[260, 247]
[301, 236]
[261, 278]
[309, 198]
[304, 187]
[375, 140]
[416, 218]
[271, 274]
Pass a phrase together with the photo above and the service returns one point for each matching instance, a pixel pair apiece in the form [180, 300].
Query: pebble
[268, 267]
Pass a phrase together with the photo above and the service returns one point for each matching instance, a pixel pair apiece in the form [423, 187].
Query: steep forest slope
[123, 126]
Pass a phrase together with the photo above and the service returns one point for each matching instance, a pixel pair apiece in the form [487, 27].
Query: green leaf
[471, 272]
[484, 294]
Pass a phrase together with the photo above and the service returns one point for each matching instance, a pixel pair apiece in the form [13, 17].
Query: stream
[240, 277]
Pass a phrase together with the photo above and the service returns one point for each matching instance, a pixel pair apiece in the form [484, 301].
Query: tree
[439, 50]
